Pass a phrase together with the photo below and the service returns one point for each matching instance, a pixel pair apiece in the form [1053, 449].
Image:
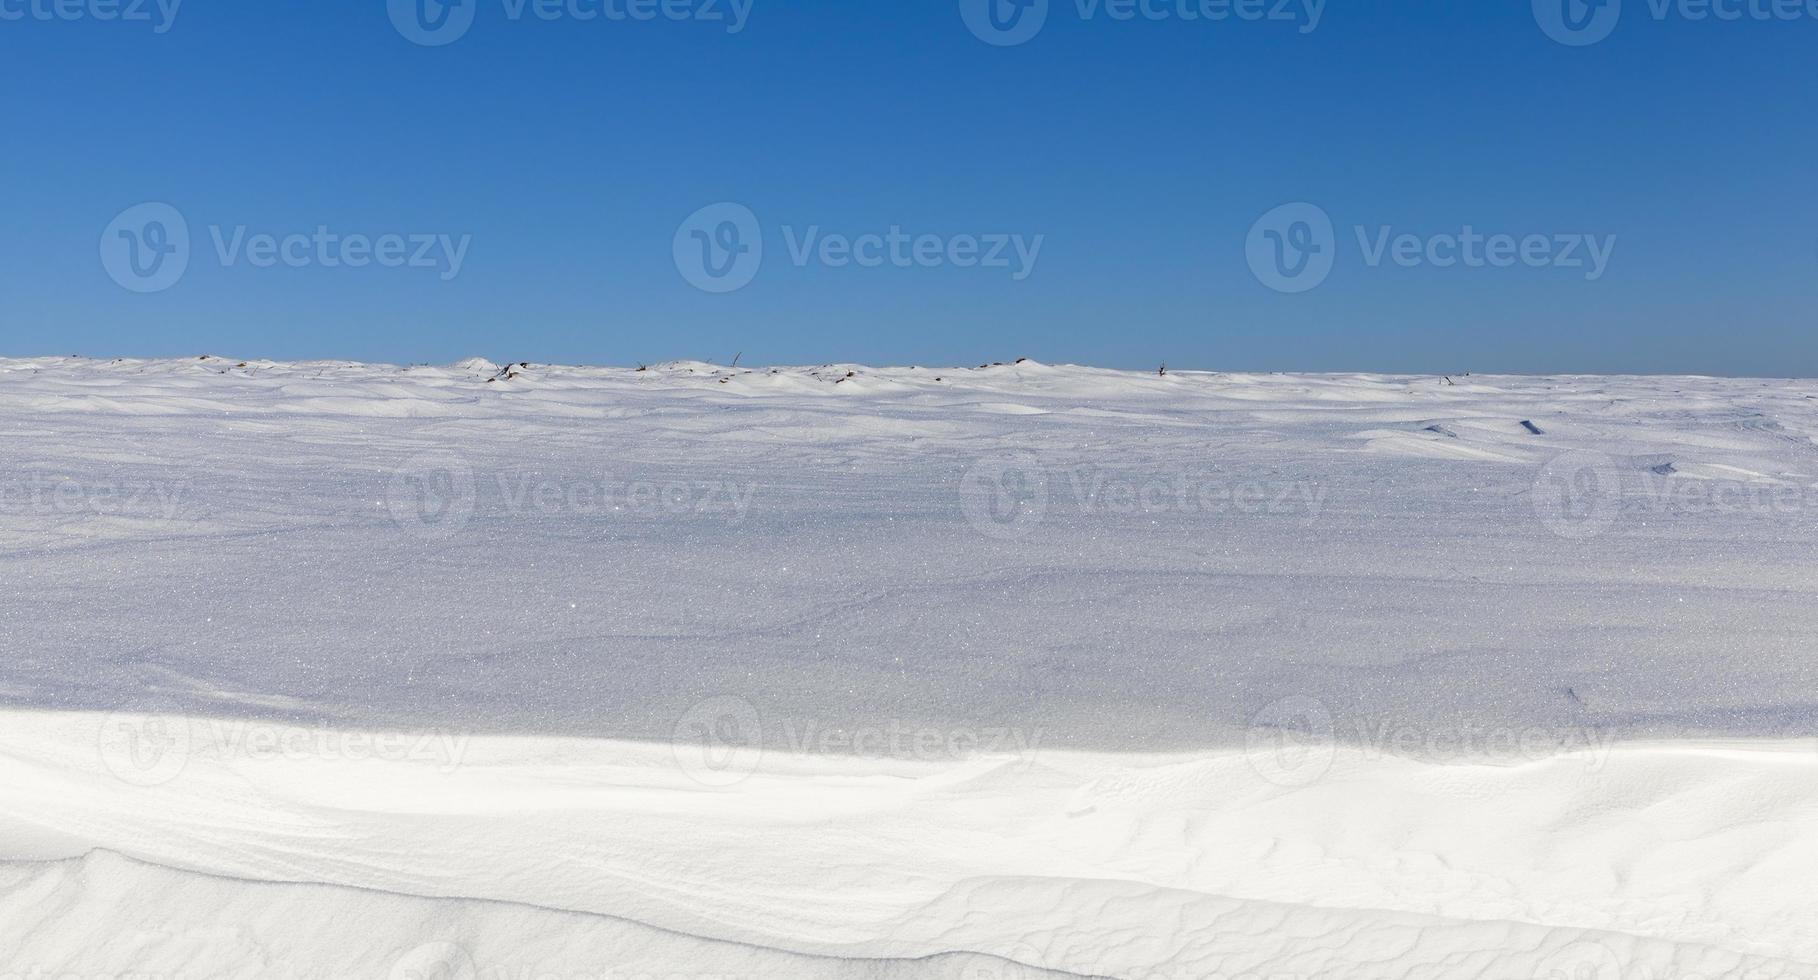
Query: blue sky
[1129, 150]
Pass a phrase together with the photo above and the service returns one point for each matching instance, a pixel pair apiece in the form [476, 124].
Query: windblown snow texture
[844, 671]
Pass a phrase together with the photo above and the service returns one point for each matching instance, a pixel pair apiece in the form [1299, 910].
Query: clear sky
[1093, 181]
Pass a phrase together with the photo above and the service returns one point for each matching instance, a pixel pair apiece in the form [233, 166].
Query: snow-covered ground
[341, 670]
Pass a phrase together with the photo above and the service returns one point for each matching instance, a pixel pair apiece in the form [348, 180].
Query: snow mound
[1305, 858]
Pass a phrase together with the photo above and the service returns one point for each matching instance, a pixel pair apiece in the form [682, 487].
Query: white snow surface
[483, 671]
